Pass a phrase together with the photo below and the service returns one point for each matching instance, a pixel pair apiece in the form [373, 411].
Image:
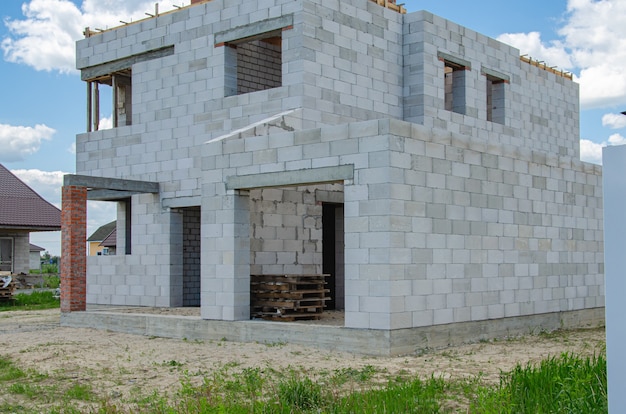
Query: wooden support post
[89, 106]
[114, 114]
[96, 106]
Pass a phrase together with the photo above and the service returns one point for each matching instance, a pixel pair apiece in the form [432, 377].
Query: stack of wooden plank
[288, 297]
[7, 287]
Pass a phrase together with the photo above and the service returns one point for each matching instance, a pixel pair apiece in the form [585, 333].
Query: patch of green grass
[51, 281]
[565, 384]
[414, 396]
[8, 370]
[36, 300]
[343, 375]
[81, 392]
[300, 394]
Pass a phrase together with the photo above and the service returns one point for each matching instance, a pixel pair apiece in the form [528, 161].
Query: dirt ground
[118, 365]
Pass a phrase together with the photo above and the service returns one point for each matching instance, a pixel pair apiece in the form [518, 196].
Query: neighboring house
[22, 211]
[35, 256]
[102, 241]
[430, 170]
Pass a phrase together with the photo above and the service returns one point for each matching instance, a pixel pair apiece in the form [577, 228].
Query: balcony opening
[118, 90]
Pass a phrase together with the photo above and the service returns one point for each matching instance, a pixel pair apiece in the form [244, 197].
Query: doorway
[333, 253]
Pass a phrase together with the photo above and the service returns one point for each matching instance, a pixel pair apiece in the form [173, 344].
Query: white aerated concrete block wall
[448, 217]
[438, 230]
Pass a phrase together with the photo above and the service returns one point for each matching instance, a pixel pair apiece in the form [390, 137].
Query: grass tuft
[565, 384]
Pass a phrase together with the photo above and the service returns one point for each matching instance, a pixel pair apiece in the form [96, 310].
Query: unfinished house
[430, 172]
[22, 211]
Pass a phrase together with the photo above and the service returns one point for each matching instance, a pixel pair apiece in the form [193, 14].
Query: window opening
[454, 80]
[254, 64]
[495, 99]
[127, 226]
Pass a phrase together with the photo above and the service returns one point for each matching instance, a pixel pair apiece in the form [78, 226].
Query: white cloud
[45, 183]
[106, 123]
[592, 151]
[19, 141]
[531, 44]
[72, 148]
[614, 121]
[617, 139]
[45, 38]
[592, 44]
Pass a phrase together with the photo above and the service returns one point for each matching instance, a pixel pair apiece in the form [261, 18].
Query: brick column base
[73, 245]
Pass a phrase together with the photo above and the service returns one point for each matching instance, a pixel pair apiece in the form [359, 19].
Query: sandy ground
[121, 365]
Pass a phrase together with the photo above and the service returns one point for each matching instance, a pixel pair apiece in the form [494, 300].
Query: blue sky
[42, 105]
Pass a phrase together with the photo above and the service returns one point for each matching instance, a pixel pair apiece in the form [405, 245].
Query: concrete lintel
[253, 29]
[287, 178]
[108, 68]
[181, 202]
[109, 195]
[104, 183]
[495, 74]
[329, 196]
[454, 59]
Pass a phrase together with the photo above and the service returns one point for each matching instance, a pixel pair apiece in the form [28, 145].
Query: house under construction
[427, 170]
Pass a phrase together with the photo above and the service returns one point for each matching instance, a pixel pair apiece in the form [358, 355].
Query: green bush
[49, 268]
[51, 281]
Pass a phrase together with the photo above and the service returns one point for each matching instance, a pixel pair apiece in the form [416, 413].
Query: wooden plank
[290, 295]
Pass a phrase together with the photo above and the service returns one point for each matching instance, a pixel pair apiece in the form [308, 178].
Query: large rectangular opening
[297, 252]
[254, 64]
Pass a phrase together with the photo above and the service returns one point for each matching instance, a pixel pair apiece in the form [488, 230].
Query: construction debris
[7, 287]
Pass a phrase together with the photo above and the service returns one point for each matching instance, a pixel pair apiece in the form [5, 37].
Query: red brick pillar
[74, 251]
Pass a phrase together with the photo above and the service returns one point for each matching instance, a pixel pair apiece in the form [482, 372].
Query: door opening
[333, 254]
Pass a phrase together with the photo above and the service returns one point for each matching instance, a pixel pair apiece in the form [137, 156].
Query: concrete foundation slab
[358, 341]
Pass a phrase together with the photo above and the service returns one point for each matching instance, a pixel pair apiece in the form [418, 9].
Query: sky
[43, 100]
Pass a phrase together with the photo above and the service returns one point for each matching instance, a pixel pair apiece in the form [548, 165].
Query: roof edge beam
[117, 184]
[289, 178]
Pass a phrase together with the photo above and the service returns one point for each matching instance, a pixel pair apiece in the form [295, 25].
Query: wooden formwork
[391, 4]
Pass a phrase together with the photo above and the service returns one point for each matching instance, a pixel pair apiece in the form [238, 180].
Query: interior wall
[191, 256]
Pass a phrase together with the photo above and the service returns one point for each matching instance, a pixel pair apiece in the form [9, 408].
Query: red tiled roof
[102, 232]
[110, 240]
[22, 208]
